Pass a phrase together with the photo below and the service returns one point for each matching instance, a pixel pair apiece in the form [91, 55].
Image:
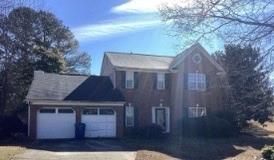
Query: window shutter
[123, 85]
[167, 80]
[207, 82]
[136, 80]
[136, 118]
[154, 78]
[185, 112]
[185, 80]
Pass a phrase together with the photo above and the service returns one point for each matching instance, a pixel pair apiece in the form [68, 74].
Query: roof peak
[138, 54]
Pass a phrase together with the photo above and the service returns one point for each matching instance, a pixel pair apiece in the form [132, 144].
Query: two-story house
[134, 90]
[164, 89]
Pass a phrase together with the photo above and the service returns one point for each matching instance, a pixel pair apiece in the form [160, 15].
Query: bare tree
[235, 21]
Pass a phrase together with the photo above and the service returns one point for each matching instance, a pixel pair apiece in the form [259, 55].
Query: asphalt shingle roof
[139, 61]
[49, 86]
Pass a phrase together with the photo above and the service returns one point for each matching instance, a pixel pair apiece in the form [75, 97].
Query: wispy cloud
[112, 28]
[147, 6]
[142, 15]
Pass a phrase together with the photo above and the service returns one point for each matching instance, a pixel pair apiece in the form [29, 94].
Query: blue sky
[118, 25]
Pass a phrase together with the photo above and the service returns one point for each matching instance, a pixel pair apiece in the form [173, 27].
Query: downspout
[28, 118]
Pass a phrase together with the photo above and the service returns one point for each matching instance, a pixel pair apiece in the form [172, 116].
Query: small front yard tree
[249, 87]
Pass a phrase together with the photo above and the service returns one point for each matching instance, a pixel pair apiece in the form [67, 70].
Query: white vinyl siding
[129, 116]
[160, 81]
[196, 81]
[194, 112]
[129, 79]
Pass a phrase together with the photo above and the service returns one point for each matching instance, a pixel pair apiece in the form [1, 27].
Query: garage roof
[50, 86]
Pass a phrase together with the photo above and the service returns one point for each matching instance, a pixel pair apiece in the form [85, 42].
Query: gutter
[76, 103]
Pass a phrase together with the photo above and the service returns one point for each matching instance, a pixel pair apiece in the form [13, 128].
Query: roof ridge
[140, 54]
[67, 74]
[70, 74]
[75, 74]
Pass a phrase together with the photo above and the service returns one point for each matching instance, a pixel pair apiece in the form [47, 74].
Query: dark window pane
[90, 111]
[47, 110]
[65, 110]
[106, 112]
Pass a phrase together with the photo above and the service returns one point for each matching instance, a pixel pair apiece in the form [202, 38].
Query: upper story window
[129, 80]
[160, 81]
[196, 81]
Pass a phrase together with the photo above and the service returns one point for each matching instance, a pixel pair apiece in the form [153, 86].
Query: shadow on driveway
[80, 145]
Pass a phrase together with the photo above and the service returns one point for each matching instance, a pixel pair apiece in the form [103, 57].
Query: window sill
[129, 88]
[197, 90]
[157, 89]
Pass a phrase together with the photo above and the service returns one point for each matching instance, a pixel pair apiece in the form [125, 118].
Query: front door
[160, 117]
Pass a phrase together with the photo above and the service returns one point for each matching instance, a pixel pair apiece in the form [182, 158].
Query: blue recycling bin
[80, 130]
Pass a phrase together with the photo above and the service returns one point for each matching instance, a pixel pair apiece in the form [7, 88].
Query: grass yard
[7, 152]
[237, 148]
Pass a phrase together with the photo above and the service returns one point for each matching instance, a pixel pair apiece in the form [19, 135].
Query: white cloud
[147, 6]
[102, 30]
[145, 17]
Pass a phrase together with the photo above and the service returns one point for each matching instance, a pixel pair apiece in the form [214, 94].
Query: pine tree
[249, 87]
[34, 40]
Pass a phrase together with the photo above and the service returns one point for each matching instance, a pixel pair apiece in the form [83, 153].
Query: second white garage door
[100, 122]
[54, 123]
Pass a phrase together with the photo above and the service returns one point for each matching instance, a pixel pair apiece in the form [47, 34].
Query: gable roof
[50, 86]
[154, 62]
[180, 57]
[139, 61]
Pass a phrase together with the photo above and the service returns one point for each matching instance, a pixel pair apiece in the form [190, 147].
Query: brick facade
[176, 96]
[144, 97]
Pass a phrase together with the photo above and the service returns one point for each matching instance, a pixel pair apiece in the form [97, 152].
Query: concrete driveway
[92, 149]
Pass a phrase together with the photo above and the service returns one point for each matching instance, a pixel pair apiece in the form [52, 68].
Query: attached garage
[57, 102]
[100, 122]
[54, 123]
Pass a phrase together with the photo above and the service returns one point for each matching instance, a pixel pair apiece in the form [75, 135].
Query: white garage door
[100, 122]
[53, 123]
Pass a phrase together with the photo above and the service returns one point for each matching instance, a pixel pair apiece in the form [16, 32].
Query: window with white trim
[65, 110]
[194, 112]
[160, 81]
[90, 111]
[47, 110]
[196, 81]
[129, 116]
[106, 111]
[129, 79]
